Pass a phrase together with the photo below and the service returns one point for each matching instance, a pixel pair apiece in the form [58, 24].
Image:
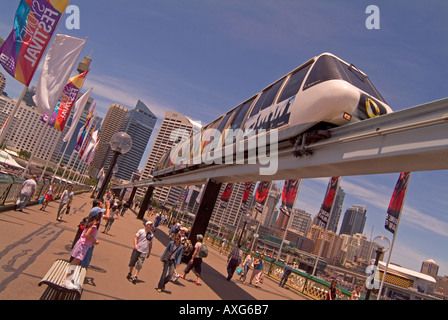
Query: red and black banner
[325, 209]
[225, 196]
[262, 194]
[289, 194]
[396, 203]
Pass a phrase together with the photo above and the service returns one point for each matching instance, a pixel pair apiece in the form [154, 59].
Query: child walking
[86, 240]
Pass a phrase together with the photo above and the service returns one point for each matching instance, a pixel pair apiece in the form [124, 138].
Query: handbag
[41, 200]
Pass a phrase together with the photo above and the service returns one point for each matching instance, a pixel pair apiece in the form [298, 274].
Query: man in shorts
[142, 249]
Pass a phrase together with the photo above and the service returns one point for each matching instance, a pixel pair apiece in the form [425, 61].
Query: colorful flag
[83, 131]
[396, 203]
[59, 63]
[78, 109]
[225, 196]
[261, 195]
[64, 107]
[289, 195]
[34, 24]
[324, 212]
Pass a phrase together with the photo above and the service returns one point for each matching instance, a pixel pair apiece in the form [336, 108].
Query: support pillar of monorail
[209, 197]
[145, 203]
[131, 197]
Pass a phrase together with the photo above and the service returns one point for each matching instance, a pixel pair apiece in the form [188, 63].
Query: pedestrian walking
[196, 260]
[48, 196]
[99, 210]
[333, 291]
[142, 249]
[246, 265]
[111, 218]
[26, 193]
[286, 272]
[223, 246]
[258, 268]
[66, 201]
[157, 221]
[233, 261]
[87, 239]
[356, 294]
[171, 258]
[125, 207]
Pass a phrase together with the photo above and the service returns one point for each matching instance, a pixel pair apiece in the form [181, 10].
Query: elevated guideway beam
[414, 139]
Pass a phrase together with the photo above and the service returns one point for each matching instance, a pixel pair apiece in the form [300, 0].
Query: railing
[10, 189]
[303, 283]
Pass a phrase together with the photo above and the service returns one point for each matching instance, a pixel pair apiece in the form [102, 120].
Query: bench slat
[55, 277]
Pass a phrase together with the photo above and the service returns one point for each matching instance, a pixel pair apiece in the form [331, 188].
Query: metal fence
[10, 189]
[304, 283]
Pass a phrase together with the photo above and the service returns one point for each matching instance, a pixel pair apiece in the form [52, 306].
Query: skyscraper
[139, 124]
[163, 142]
[354, 220]
[111, 125]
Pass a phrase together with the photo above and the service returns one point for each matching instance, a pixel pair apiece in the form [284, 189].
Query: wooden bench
[55, 279]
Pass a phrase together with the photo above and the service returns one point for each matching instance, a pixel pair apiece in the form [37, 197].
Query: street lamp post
[120, 143]
[246, 219]
[380, 244]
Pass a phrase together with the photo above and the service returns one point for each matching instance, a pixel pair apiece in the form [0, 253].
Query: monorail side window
[267, 97]
[241, 113]
[294, 83]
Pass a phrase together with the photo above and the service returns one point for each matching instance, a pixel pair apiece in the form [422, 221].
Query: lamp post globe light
[381, 244]
[120, 143]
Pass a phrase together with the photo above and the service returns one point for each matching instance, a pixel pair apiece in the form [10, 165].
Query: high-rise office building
[111, 125]
[139, 124]
[231, 213]
[163, 142]
[354, 220]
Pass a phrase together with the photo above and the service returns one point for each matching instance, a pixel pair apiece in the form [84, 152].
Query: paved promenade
[31, 241]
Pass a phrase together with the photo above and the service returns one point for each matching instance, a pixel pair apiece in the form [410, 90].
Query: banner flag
[289, 194]
[59, 63]
[247, 188]
[64, 107]
[225, 196]
[88, 140]
[78, 109]
[34, 24]
[92, 142]
[83, 131]
[325, 209]
[261, 195]
[396, 203]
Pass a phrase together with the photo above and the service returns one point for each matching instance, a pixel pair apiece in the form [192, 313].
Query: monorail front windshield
[330, 68]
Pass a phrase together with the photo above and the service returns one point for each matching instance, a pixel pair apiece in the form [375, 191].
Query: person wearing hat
[142, 249]
[111, 218]
[196, 261]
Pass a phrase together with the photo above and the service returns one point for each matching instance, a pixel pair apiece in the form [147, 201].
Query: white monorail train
[324, 92]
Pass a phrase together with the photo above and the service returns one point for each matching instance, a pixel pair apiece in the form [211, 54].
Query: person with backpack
[200, 252]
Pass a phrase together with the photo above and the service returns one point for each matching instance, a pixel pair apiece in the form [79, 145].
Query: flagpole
[393, 242]
[326, 226]
[289, 221]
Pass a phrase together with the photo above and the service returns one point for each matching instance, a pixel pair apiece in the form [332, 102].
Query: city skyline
[201, 59]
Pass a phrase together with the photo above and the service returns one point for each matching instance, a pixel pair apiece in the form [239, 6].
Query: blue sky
[202, 58]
